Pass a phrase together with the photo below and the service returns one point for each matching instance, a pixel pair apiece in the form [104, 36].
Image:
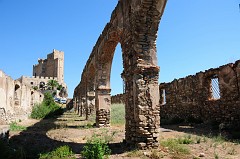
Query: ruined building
[212, 96]
[16, 99]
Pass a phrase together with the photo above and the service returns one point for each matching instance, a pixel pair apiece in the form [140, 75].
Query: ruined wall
[16, 99]
[119, 98]
[196, 96]
[53, 66]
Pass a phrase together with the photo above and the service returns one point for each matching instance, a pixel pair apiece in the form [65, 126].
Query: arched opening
[136, 30]
[117, 89]
[17, 94]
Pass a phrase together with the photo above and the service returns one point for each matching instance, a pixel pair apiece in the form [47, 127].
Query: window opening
[164, 97]
[215, 90]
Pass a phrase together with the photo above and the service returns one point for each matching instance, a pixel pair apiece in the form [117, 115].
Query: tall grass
[118, 114]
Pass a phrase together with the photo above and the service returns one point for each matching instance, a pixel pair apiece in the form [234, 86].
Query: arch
[17, 94]
[133, 24]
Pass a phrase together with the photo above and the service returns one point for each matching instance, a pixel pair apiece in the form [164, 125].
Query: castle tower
[53, 66]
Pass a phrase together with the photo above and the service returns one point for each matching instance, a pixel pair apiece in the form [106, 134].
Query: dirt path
[70, 129]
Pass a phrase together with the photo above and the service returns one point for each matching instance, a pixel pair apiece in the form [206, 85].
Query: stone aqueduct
[134, 24]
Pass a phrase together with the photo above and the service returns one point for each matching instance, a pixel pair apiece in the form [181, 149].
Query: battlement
[38, 77]
[50, 68]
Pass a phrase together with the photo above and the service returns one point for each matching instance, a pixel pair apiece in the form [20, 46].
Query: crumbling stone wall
[133, 24]
[119, 98]
[192, 97]
[16, 99]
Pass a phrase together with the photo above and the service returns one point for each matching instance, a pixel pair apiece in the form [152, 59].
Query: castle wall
[196, 96]
[53, 66]
[16, 98]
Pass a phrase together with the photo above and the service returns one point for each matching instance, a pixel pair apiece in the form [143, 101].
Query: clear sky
[194, 35]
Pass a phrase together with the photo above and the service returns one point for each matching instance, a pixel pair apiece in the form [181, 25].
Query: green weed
[15, 127]
[95, 148]
[60, 152]
[174, 146]
[185, 140]
[218, 139]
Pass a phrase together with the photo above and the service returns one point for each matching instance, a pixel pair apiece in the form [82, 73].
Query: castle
[19, 96]
[53, 66]
[47, 69]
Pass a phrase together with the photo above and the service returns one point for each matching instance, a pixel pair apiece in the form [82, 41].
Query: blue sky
[194, 35]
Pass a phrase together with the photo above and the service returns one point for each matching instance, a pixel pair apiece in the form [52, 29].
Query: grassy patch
[118, 114]
[15, 127]
[174, 146]
[60, 152]
[218, 139]
[187, 139]
[135, 153]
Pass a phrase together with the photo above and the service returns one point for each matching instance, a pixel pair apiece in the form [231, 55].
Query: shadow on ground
[204, 130]
[34, 140]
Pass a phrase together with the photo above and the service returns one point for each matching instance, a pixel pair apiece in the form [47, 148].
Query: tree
[59, 87]
[52, 84]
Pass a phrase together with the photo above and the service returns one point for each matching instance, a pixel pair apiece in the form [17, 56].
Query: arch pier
[134, 24]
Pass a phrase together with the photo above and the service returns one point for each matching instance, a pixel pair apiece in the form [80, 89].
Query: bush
[60, 152]
[97, 146]
[46, 109]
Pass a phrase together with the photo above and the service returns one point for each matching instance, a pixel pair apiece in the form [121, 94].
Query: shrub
[97, 146]
[60, 152]
[47, 108]
[15, 127]
[48, 99]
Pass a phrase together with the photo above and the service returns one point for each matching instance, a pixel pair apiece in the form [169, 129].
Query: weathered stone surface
[192, 97]
[17, 99]
[133, 24]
